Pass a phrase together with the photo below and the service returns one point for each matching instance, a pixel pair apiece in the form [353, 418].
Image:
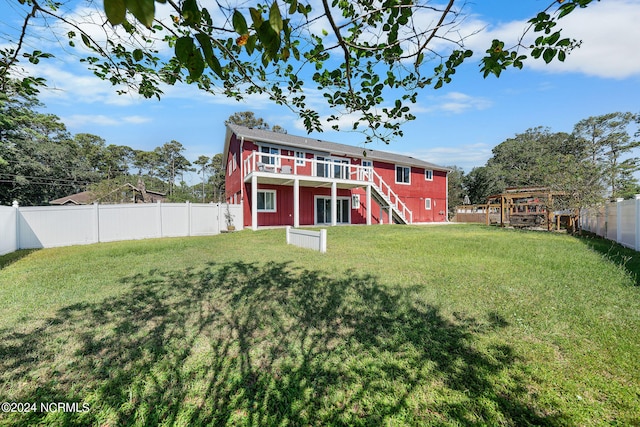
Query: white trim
[296, 202]
[425, 174]
[331, 163]
[254, 202]
[277, 154]
[275, 204]
[355, 201]
[396, 174]
[315, 210]
[368, 201]
[427, 204]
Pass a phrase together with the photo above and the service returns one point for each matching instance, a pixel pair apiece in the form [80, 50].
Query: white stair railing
[266, 162]
[392, 198]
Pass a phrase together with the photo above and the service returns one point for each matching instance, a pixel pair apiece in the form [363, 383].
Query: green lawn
[394, 325]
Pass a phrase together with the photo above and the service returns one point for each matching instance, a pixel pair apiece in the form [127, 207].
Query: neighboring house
[126, 193]
[283, 179]
[82, 198]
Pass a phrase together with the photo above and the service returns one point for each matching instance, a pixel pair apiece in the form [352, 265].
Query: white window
[300, 158]
[367, 168]
[427, 204]
[428, 174]
[270, 158]
[403, 175]
[266, 200]
[355, 201]
[229, 167]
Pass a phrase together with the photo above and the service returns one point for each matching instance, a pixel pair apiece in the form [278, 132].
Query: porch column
[334, 203]
[254, 202]
[296, 202]
[390, 214]
[368, 201]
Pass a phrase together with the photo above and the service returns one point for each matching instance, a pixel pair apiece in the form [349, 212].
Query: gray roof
[308, 143]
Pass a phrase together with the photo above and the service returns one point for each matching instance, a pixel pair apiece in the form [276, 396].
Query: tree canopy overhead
[367, 59]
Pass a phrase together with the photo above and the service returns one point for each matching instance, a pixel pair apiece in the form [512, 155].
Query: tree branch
[341, 42]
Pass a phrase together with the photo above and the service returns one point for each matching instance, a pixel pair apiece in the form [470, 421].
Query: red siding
[412, 194]
[233, 177]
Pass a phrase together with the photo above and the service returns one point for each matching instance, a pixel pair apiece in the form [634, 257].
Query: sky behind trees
[458, 124]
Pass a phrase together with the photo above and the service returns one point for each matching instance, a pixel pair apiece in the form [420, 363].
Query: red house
[283, 179]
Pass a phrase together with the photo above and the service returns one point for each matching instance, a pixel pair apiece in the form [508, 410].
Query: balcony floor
[275, 178]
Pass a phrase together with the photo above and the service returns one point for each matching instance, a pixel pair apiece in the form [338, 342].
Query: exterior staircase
[388, 199]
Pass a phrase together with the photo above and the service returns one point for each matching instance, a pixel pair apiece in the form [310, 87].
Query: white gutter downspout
[241, 169]
[446, 209]
[242, 178]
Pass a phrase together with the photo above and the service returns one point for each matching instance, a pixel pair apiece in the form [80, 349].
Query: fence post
[288, 234]
[637, 222]
[188, 218]
[323, 240]
[16, 207]
[96, 221]
[619, 201]
[159, 209]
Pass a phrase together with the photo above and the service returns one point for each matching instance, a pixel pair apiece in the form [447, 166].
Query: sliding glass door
[323, 210]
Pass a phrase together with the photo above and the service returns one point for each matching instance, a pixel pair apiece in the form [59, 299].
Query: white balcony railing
[331, 168]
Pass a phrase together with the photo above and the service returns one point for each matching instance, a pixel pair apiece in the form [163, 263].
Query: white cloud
[453, 103]
[609, 32]
[81, 120]
[69, 86]
[465, 156]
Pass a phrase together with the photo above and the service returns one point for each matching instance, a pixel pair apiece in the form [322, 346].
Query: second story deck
[276, 168]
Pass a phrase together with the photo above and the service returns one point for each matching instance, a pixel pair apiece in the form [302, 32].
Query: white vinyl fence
[316, 240]
[51, 226]
[618, 221]
[8, 230]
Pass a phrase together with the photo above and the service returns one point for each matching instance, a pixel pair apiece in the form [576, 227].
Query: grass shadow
[10, 258]
[264, 344]
[622, 256]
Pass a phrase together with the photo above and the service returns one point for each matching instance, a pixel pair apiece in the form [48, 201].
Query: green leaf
[189, 56]
[115, 11]
[239, 23]
[137, 55]
[256, 17]
[207, 50]
[85, 40]
[553, 38]
[143, 10]
[562, 56]
[293, 7]
[190, 12]
[275, 19]
[270, 40]
[251, 44]
[184, 49]
[566, 9]
[548, 55]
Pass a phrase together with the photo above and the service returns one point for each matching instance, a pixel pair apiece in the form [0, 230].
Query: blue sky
[458, 124]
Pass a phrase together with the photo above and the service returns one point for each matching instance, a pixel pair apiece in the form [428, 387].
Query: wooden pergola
[520, 207]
